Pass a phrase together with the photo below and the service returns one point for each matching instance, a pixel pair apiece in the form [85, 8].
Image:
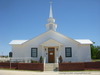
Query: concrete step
[50, 67]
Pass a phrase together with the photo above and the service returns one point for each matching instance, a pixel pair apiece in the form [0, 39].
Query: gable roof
[17, 42]
[84, 41]
[80, 41]
[46, 33]
[51, 41]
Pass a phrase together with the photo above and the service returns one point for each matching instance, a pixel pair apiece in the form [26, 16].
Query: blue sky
[25, 19]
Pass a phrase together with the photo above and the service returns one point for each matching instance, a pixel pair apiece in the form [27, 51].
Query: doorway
[51, 55]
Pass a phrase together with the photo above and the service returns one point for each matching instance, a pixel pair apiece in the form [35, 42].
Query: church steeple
[51, 21]
[51, 14]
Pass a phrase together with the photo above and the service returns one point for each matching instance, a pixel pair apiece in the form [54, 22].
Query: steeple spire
[51, 14]
[51, 21]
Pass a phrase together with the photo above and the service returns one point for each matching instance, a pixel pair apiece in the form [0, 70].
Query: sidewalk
[14, 72]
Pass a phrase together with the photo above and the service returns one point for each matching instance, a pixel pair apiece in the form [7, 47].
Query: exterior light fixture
[57, 49]
[45, 49]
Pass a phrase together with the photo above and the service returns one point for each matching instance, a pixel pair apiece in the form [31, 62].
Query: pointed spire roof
[51, 14]
[51, 21]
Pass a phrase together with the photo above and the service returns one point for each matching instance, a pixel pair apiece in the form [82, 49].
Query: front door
[51, 55]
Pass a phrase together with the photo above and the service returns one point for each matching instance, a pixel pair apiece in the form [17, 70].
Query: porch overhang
[51, 43]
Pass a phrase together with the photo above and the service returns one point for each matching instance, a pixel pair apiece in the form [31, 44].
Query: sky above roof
[26, 19]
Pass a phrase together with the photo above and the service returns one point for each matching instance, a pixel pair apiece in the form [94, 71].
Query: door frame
[54, 54]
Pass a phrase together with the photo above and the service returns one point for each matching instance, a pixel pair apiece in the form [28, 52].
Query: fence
[23, 66]
[62, 66]
[71, 66]
[30, 66]
[92, 65]
[79, 66]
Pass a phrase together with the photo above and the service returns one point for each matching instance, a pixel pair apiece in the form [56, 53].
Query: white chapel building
[50, 45]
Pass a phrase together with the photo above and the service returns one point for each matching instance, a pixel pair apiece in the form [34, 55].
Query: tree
[98, 55]
[95, 52]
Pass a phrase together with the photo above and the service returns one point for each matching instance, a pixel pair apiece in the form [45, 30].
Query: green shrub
[41, 59]
[60, 59]
[32, 61]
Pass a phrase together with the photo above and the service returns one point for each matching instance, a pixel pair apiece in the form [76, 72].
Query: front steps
[51, 67]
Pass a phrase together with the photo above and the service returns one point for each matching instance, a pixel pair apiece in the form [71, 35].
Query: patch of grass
[92, 70]
[95, 60]
[6, 69]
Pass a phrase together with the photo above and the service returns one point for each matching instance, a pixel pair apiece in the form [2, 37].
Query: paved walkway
[14, 72]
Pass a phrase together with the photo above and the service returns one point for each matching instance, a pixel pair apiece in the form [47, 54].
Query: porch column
[42, 49]
[60, 49]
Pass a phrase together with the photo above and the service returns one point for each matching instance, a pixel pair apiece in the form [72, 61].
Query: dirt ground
[14, 72]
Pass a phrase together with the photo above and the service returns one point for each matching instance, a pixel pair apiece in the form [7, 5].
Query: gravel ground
[14, 72]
